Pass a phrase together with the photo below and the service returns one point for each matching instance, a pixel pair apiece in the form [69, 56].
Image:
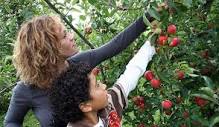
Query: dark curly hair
[69, 90]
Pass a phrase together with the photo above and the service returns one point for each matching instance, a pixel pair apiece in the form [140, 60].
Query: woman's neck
[63, 66]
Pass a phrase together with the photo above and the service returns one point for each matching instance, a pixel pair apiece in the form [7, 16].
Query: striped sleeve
[117, 99]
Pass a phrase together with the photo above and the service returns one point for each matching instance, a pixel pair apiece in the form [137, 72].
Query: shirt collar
[100, 123]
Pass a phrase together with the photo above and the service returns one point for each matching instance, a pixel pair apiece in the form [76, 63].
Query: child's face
[98, 93]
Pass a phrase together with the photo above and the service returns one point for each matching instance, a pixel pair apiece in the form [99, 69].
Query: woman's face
[68, 44]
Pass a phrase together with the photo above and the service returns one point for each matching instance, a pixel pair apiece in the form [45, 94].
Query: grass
[29, 120]
[1, 119]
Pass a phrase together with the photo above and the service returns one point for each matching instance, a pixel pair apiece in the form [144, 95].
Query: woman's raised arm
[95, 56]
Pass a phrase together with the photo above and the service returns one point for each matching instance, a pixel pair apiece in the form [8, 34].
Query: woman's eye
[98, 83]
[65, 34]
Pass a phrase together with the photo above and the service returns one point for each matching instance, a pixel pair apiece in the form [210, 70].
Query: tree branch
[71, 26]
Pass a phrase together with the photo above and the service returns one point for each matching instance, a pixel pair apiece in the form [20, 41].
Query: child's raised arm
[135, 68]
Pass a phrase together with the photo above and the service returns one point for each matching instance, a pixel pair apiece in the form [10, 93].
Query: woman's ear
[85, 107]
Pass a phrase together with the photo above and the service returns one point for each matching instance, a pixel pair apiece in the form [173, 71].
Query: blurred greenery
[29, 120]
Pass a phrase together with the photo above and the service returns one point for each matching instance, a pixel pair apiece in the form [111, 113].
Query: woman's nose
[70, 36]
[103, 86]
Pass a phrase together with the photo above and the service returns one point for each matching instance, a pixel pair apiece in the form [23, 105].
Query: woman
[44, 49]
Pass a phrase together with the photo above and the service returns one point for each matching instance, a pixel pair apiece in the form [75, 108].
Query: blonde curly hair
[37, 53]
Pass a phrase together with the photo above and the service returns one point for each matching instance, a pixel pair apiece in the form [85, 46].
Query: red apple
[155, 83]
[162, 40]
[171, 29]
[149, 75]
[185, 114]
[180, 75]
[200, 101]
[205, 54]
[166, 104]
[183, 125]
[139, 102]
[141, 125]
[175, 41]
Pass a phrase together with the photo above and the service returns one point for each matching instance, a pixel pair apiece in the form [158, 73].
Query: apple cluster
[163, 38]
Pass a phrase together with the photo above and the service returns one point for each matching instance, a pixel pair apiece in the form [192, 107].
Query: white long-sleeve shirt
[136, 68]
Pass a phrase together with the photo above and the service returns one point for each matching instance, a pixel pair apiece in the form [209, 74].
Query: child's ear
[85, 107]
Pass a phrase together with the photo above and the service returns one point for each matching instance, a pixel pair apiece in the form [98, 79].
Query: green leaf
[187, 3]
[106, 12]
[75, 10]
[7, 8]
[82, 17]
[154, 13]
[202, 1]
[193, 75]
[67, 1]
[146, 21]
[208, 82]
[112, 12]
[156, 116]
[69, 17]
[113, 3]
[7, 58]
[73, 2]
[214, 120]
[171, 4]
[132, 115]
[152, 38]
[92, 2]
[207, 91]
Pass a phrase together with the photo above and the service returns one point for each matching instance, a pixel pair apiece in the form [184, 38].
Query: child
[81, 101]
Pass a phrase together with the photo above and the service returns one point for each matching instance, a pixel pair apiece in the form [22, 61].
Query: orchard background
[182, 87]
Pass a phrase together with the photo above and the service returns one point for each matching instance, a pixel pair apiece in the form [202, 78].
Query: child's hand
[150, 49]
